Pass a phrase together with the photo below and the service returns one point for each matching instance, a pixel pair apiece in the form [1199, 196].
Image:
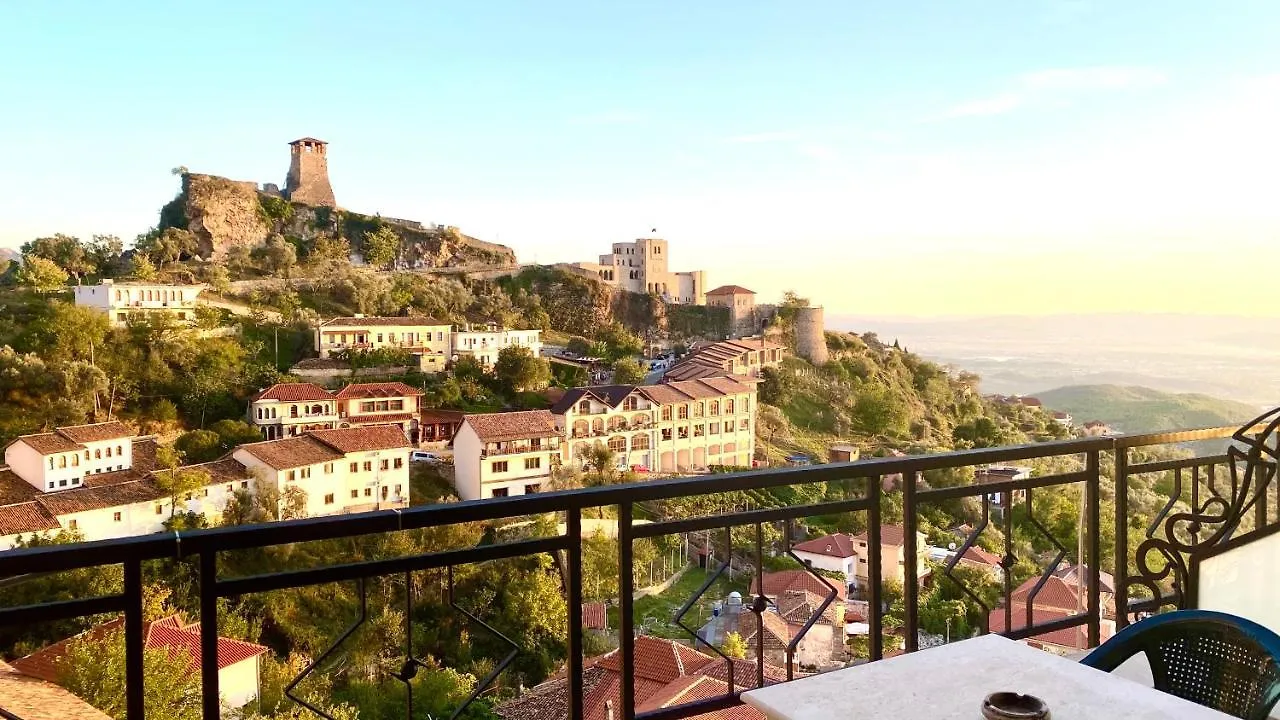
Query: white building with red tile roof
[290, 409]
[503, 454]
[746, 357]
[120, 300]
[892, 555]
[834, 553]
[238, 661]
[341, 470]
[380, 403]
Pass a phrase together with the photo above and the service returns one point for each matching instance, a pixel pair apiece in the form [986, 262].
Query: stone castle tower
[811, 338]
[308, 180]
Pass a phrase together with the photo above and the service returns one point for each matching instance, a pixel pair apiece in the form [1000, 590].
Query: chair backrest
[1210, 658]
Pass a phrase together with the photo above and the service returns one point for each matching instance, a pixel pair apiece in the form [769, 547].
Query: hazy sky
[903, 157]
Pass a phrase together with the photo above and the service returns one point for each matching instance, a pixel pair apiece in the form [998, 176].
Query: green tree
[233, 433]
[519, 370]
[734, 646]
[64, 251]
[628, 371]
[380, 247]
[104, 254]
[142, 268]
[199, 445]
[40, 274]
[178, 482]
[93, 668]
[277, 256]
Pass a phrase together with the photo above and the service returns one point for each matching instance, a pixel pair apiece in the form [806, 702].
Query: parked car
[424, 456]
[640, 468]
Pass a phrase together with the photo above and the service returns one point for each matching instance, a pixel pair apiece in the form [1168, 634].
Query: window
[715, 408]
[244, 484]
[50, 463]
[698, 430]
[666, 433]
[728, 406]
[328, 499]
[386, 464]
[206, 492]
[379, 337]
[683, 412]
[229, 487]
[368, 492]
[499, 492]
[746, 404]
[75, 460]
[50, 484]
[305, 472]
[328, 468]
[73, 524]
[532, 463]
[116, 517]
[533, 488]
[714, 428]
[697, 409]
[160, 509]
[584, 407]
[368, 466]
[399, 463]
[108, 452]
[618, 444]
[62, 483]
[398, 489]
[666, 412]
[631, 403]
[684, 432]
[355, 467]
[397, 404]
[62, 461]
[743, 424]
[498, 466]
[292, 475]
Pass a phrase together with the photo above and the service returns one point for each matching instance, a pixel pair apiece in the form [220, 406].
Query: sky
[904, 158]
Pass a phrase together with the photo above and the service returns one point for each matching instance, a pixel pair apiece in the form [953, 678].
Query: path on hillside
[239, 308]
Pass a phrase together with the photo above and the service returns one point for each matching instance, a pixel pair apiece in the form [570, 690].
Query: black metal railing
[1222, 498]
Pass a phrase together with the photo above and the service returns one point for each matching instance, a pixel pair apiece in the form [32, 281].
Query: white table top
[950, 682]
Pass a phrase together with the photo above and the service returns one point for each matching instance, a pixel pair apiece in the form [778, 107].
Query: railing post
[210, 701]
[626, 630]
[573, 523]
[1121, 482]
[910, 571]
[875, 629]
[1093, 469]
[133, 641]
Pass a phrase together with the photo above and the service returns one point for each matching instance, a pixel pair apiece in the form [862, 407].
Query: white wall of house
[238, 683]
[277, 419]
[478, 476]
[484, 345]
[434, 339]
[119, 301]
[827, 562]
[335, 487]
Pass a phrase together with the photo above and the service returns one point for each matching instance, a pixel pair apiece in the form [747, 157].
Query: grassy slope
[1138, 409]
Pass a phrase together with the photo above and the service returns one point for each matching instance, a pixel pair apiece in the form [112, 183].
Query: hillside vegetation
[1130, 408]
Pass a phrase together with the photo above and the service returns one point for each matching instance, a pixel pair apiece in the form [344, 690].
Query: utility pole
[276, 332]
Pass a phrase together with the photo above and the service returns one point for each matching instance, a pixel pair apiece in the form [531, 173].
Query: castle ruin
[308, 179]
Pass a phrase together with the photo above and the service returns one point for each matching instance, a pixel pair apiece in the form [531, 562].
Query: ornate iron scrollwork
[1164, 558]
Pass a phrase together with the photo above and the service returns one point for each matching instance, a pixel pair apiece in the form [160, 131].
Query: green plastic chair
[1210, 658]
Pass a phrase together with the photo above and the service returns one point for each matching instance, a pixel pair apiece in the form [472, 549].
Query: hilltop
[1132, 408]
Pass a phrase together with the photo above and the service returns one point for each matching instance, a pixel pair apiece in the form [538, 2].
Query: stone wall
[222, 213]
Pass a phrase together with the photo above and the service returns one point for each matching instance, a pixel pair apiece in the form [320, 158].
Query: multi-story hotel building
[435, 342]
[747, 357]
[641, 267]
[431, 339]
[120, 300]
[673, 427]
[485, 343]
[100, 480]
[502, 454]
[290, 409]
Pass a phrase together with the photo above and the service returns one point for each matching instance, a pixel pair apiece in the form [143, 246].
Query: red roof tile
[377, 390]
[978, 555]
[837, 545]
[292, 452]
[363, 439]
[182, 641]
[595, 616]
[659, 659]
[385, 322]
[889, 535]
[27, 517]
[731, 290]
[777, 583]
[1075, 637]
[1056, 593]
[97, 432]
[34, 699]
[499, 427]
[293, 392]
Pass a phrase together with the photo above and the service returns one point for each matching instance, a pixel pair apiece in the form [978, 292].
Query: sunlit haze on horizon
[913, 158]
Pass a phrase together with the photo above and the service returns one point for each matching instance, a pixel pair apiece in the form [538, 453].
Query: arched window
[584, 407]
[97, 454]
[631, 403]
[617, 422]
[75, 460]
[597, 426]
[640, 441]
[618, 444]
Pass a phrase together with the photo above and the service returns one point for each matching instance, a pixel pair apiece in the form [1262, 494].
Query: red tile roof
[34, 699]
[659, 659]
[27, 517]
[520, 425]
[442, 416]
[363, 439]
[777, 583]
[377, 390]
[1057, 594]
[1075, 637]
[181, 640]
[837, 545]
[292, 452]
[889, 535]
[978, 555]
[731, 290]
[97, 432]
[293, 392]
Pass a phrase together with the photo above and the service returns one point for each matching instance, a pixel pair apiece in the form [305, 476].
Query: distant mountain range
[1131, 408]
